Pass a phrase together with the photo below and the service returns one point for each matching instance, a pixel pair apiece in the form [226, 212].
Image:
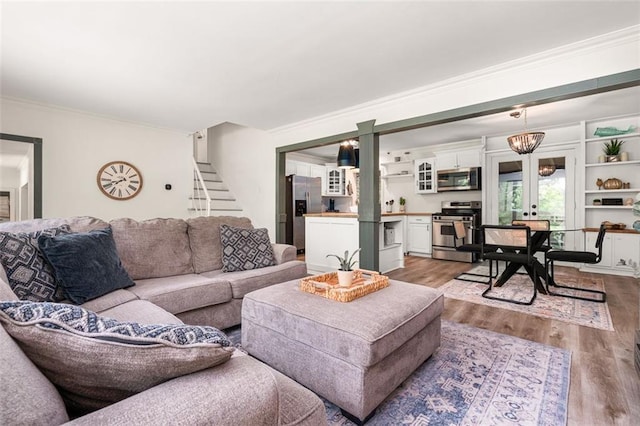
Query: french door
[539, 186]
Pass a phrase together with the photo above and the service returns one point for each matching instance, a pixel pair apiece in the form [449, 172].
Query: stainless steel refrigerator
[304, 195]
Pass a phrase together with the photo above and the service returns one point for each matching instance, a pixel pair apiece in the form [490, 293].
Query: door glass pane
[509, 192]
[552, 184]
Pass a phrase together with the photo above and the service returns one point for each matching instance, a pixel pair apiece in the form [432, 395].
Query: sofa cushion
[109, 300]
[204, 237]
[76, 223]
[243, 282]
[29, 275]
[183, 292]
[96, 361]
[26, 396]
[142, 312]
[244, 249]
[153, 248]
[86, 264]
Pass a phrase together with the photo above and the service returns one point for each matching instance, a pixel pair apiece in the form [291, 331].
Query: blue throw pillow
[86, 264]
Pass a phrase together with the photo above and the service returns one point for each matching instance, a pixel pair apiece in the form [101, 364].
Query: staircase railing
[200, 192]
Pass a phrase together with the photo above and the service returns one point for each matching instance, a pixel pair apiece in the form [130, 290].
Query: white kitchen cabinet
[425, 175]
[458, 159]
[335, 181]
[619, 252]
[419, 235]
[316, 170]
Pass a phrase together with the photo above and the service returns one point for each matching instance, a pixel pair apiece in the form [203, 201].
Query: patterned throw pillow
[29, 274]
[244, 249]
[96, 361]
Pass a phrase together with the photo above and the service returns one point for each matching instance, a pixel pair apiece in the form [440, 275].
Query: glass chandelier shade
[546, 170]
[526, 142]
[346, 156]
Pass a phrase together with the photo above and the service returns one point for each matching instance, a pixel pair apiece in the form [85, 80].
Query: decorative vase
[345, 278]
[624, 156]
[613, 183]
[402, 209]
[389, 209]
[613, 158]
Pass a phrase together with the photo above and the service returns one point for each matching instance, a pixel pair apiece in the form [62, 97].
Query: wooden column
[369, 204]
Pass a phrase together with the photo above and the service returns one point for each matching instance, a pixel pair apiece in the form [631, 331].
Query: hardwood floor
[605, 387]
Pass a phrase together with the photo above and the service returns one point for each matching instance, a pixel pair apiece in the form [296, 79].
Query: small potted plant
[345, 273]
[403, 201]
[612, 150]
[389, 206]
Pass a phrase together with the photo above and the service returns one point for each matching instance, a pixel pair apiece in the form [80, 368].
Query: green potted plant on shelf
[612, 149]
[345, 273]
[403, 201]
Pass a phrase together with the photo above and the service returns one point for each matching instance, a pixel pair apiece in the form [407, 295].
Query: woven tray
[326, 285]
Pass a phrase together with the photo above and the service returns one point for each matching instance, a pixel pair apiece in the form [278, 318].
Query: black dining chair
[511, 244]
[460, 233]
[575, 257]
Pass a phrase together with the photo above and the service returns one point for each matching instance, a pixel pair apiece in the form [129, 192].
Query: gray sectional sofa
[177, 269]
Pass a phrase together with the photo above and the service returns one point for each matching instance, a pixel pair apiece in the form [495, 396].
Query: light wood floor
[605, 387]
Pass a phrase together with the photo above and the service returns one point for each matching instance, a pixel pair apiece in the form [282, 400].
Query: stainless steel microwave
[465, 179]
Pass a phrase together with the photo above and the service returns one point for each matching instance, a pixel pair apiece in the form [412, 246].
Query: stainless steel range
[470, 213]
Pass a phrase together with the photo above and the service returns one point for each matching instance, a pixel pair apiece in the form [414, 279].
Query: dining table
[539, 237]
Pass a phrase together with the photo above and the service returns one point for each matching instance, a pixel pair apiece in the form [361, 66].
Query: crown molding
[43, 105]
[594, 44]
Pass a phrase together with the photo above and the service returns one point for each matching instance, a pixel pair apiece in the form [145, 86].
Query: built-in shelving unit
[620, 249]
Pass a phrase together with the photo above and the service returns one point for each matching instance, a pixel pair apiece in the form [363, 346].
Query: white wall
[77, 144]
[245, 160]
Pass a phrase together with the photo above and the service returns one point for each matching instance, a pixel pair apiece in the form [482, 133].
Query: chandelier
[526, 142]
[546, 170]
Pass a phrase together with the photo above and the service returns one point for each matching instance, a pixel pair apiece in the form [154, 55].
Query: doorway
[21, 171]
[538, 186]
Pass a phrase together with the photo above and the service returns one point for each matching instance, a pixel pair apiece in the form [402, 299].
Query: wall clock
[119, 180]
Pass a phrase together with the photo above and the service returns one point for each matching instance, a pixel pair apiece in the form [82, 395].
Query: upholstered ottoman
[353, 354]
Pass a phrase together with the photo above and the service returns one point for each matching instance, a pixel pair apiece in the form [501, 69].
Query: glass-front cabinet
[335, 181]
[425, 175]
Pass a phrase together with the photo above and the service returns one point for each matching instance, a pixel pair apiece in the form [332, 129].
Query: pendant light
[526, 142]
[546, 170]
[346, 155]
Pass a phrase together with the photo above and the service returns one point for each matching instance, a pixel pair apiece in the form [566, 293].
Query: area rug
[520, 287]
[477, 377]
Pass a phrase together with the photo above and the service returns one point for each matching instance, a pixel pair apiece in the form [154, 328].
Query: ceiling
[192, 65]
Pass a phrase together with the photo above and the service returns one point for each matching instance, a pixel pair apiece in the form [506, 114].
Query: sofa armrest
[240, 391]
[284, 253]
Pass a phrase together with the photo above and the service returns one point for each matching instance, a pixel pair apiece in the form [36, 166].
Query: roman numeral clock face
[119, 180]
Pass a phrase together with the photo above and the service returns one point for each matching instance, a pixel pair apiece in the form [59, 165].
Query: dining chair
[460, 233]
[511, 244]
[575, 257]
[537, 225]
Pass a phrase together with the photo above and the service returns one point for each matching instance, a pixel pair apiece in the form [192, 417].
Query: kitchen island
[333, 233]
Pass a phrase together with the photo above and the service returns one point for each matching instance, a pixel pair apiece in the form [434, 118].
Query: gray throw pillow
[244, 249]
[29, 275]
[86, 264]
[96, 361]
